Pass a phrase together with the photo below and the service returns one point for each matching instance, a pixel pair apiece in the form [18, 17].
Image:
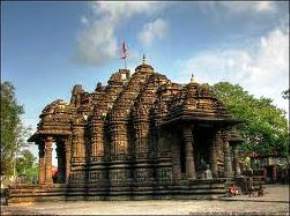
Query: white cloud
[118, 11]
[244, 6]
[240, 6]
[153, 30]
[264, 6]
[262, 68]
[98, 43]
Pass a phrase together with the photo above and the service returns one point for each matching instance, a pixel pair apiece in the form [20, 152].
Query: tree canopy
[12, 131]
[27, 166]
[265, 128]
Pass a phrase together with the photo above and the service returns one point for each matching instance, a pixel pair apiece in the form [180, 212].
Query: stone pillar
[119, 139]
[97, 139]
[78, 140]
[41, 169]
[48, 160]
[176, 161]
[93, 143]
[189, 158]
[228, 170]
[219, 153]
[213, 156]
[236, 160]
[67, 158]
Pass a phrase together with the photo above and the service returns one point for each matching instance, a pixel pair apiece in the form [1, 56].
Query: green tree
[265, 128]
[13, 133]
[26, 166]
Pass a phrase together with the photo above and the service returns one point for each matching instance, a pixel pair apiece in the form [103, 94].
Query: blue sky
[47, 47]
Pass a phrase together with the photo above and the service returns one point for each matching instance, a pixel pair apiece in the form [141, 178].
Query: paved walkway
[275, 202]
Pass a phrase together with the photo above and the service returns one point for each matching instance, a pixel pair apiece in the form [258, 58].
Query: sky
[47, 47]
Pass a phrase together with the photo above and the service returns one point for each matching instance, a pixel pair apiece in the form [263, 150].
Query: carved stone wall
[121, 113]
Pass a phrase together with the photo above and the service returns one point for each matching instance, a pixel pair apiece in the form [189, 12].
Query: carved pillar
[67, 158]
[41, 169]
[48, 160]
[93, 142]
[176, 161]
[189, 158]
[97, 138]
[213, 156]
[119, 139]
[74, 144]
[78, 143]
[141, 137]
[228, 171]
[236, 160]
[219, 153]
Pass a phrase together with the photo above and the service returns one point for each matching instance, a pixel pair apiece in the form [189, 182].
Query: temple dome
[144, 68]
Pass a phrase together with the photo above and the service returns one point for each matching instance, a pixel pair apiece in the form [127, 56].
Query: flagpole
[124, 53]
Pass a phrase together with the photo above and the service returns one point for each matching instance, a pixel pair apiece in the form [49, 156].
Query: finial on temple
[192, 79]
[144, 59]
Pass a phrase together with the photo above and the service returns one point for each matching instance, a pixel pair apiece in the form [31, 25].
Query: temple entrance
[203, 138]
[58, 163]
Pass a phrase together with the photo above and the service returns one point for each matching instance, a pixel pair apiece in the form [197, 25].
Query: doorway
[58, 163]
[203, 137]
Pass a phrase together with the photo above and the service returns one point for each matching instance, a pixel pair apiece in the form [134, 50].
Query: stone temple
[141, 136]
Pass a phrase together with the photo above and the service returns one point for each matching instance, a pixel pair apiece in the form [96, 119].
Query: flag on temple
[124, 51]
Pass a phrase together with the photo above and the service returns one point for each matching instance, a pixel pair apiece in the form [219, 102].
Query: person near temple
[233, 190]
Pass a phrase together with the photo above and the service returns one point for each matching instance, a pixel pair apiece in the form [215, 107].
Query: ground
[274, 202]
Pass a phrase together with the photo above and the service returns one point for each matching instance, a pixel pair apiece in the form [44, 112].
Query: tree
[13, 133]
[26, 166]
[265, 128]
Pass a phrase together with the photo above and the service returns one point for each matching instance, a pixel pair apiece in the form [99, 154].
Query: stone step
[57, 192]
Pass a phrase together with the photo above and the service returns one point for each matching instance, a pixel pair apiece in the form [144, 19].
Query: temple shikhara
[140, 136]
